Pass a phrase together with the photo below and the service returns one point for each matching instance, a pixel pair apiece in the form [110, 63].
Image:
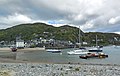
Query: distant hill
[37, 30]
[66, 32]
[103, 38]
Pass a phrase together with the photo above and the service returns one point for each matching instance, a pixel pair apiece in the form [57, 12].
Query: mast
[79, 38]
[96, 41]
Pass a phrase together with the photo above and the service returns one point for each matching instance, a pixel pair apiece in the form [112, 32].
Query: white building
[19, 43]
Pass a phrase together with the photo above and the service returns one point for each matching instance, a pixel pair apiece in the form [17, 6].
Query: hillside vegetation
[66, 33]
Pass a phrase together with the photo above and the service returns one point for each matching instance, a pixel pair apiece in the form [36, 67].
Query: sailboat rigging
[97, 48]
[80, 51]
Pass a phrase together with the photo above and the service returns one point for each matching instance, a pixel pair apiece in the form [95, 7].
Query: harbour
[59, 38]
[63, 57]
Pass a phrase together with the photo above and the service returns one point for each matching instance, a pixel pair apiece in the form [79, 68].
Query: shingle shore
[44, 69]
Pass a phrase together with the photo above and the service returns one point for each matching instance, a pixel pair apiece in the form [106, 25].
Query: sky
[90, 15]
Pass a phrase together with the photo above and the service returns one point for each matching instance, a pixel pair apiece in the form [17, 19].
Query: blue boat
[95, 50]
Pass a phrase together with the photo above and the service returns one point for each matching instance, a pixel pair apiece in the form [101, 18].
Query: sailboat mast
[96, 41]
[79, 38]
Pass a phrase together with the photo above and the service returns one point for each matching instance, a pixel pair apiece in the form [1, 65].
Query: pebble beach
[45, 69]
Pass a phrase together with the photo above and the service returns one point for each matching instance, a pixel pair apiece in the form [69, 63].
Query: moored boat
[94, 55]
[95, 49]
[81, 50]
[77, 52]
[53, 50]
[14, 49]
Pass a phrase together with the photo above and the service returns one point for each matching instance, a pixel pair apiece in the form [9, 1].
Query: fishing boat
[94, 55]
[53, 50]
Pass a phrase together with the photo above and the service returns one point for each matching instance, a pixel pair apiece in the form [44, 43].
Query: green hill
[65, 33]
[37, 30]
[103, 38]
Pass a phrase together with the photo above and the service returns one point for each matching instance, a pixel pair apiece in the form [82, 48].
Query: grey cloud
[92, 15]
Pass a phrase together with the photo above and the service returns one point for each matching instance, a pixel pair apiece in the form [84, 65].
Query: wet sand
[7, 49]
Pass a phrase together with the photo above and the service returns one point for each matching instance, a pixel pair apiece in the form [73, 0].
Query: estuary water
[47, 57]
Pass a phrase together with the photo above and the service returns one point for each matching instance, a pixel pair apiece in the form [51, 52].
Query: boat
[14, 49]
[80, 51]
[97, 48]
[95, 52]
[94, 55]
[53, 50]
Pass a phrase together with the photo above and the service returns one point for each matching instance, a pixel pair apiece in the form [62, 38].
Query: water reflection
[43, 56]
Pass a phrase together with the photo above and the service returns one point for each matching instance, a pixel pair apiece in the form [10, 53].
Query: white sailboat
[97, 48]
[80, 51]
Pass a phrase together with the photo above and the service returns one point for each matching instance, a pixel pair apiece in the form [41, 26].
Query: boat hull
[95, 50]
[80, 53]
[14, 49]
[54, 51]
[93, 56]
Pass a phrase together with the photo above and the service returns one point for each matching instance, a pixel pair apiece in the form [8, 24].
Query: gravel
[44, 69]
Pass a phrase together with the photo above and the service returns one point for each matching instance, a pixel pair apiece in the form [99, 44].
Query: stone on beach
[44, 69]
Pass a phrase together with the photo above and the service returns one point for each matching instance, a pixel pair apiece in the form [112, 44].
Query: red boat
[14, 49]
[94, 55]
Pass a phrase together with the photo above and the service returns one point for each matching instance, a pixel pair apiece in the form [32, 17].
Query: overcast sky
[91, 15]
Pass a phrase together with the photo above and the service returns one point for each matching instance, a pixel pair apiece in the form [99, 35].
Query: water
[43, 56]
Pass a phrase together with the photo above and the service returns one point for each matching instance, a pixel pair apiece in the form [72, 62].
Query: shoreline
[7, 49]
[11, 60]
[13, 67]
